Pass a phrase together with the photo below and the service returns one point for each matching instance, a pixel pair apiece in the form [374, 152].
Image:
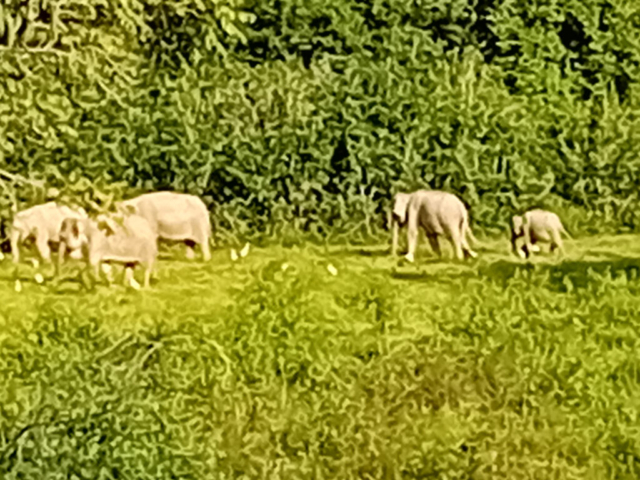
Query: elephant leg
[435, 245]
[202, 236]
[62, 252]
[412, 232]
[42, 244]
[528, 242]
[128, 275]
[147, 276]
[190, 244]
[95, 267]
[206, 250]
[394, 239]
[15, 242]
[454, 235]
[457, 246]
[108, 272]
[464, 232]
[556, 242]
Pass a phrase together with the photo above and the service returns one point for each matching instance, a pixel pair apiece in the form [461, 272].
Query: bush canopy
[308, 115]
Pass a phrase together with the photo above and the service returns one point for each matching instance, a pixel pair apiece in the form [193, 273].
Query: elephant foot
[108, 272]
[190, 254]
[76, 254]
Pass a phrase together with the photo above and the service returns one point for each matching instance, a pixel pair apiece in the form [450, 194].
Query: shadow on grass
[426, 255]
[361, 251]
[595, 268]
[441, 277]
[579, 273]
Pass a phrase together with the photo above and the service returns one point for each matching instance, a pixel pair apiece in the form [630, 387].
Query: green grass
[492, 368]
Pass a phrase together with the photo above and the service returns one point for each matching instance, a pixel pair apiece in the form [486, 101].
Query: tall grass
[501, 370]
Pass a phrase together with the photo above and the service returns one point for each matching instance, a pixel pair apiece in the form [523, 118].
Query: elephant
[535, 226]
[438, 213]
[129, 240]
[41, 222]
[176, 217]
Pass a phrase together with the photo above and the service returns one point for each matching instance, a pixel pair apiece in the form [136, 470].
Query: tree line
[291, 116]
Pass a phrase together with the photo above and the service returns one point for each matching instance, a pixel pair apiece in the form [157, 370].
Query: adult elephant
[176, 217]
[439, 214]
[129, 240]
[42, 223]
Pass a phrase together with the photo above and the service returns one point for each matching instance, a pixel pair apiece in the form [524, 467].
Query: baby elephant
[106, 240]
[536, 226]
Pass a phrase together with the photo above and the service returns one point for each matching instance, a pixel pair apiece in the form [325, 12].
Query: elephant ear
[107, 224]
[400, 205]
[75, 227]
[129, 209]
[124, 208]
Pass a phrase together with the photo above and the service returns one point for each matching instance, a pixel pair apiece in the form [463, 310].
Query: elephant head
[72, 233]
[400, 204]
[516, 230]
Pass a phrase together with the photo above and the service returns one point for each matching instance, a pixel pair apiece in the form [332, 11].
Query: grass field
[492, 368]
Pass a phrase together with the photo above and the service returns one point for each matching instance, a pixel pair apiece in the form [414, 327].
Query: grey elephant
[439, 214]
[536, 226]
[42, 223]
[127, 240]
[175, 217]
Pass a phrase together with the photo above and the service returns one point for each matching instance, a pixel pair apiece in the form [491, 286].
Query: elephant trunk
[514, 241]
[16, 237]
[394, 239]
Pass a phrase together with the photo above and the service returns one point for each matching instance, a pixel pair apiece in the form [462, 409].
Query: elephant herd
[442, 214]
[130, 235]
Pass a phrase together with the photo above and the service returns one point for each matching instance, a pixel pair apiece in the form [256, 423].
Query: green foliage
[307, 116]
[506, 370]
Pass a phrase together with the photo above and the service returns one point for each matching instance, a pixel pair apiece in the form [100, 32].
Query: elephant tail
[566, 232]
[466, 231]
[472, 237]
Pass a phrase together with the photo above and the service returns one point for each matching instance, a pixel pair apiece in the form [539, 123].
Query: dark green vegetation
[304, 115]
[484, 370]
[299, 118]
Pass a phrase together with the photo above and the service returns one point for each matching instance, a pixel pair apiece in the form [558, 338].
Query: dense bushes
[307, 115]
[519, 372]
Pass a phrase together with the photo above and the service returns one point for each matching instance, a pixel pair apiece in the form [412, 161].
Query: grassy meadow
[303, 118]
[492, 368]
